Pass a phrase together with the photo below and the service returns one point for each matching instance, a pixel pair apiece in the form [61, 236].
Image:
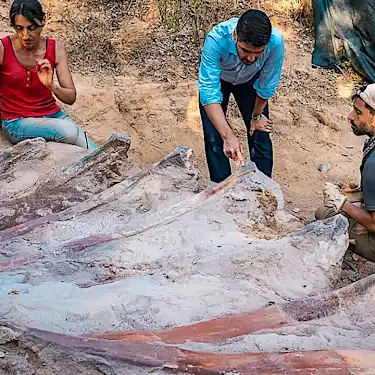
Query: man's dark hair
[31, 9]
[254, 28]
[357, 95]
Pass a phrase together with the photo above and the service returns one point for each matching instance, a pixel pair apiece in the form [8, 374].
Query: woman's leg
[58, 128]
[83, 140]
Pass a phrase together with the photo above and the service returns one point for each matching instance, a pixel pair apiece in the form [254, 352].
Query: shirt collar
[369, 146]
[232, 48]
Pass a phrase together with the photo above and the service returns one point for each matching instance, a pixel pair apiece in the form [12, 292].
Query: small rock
[34, 349]
[105, 369]
[325, 167]
[7, 335]
[355, 257]
[296, 210]
[113, 269]
[2, 354]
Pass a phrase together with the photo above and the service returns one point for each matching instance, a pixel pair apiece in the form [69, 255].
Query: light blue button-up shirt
[220, 60]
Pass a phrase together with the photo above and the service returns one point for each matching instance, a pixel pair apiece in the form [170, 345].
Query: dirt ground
[154, 100]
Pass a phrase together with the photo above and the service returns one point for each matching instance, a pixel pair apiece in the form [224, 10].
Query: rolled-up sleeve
[270, 74]
[209, 73]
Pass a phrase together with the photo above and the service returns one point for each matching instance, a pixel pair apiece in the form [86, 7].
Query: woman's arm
[64, 89]
[1, 53]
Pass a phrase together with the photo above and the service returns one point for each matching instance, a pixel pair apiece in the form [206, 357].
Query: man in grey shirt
[360, 211]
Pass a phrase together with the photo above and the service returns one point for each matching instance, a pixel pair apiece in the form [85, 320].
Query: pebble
[325, 167]
[355, 257]
[2, 354]
[296, 210]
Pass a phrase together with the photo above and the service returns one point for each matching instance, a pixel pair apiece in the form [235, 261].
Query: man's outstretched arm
[361, 216]
[211, 97]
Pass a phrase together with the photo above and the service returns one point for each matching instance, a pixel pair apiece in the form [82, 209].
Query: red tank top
[22, 93]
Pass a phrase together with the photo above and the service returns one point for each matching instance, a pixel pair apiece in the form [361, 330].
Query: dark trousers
[260, 145]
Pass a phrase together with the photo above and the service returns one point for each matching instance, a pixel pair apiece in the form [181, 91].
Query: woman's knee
[67, 131]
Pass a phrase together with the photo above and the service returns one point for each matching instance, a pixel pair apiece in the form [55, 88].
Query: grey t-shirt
[368, 182]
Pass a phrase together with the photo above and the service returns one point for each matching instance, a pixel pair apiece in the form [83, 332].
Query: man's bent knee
[364, 244]
[323, 213]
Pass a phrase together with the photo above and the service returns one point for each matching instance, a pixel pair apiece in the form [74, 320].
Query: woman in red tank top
[28, 62]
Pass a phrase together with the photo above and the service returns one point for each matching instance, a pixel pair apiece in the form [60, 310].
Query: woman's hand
[45, 73]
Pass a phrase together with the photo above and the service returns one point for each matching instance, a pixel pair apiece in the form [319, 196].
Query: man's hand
[233, 148]
[263, 125]
[352, 191]
[351, 187]
[45, 72]
[333, 197]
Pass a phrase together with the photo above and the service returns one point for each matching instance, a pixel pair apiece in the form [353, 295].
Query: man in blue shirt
[243, 57]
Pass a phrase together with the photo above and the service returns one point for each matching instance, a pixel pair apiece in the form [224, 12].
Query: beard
[359, 129]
